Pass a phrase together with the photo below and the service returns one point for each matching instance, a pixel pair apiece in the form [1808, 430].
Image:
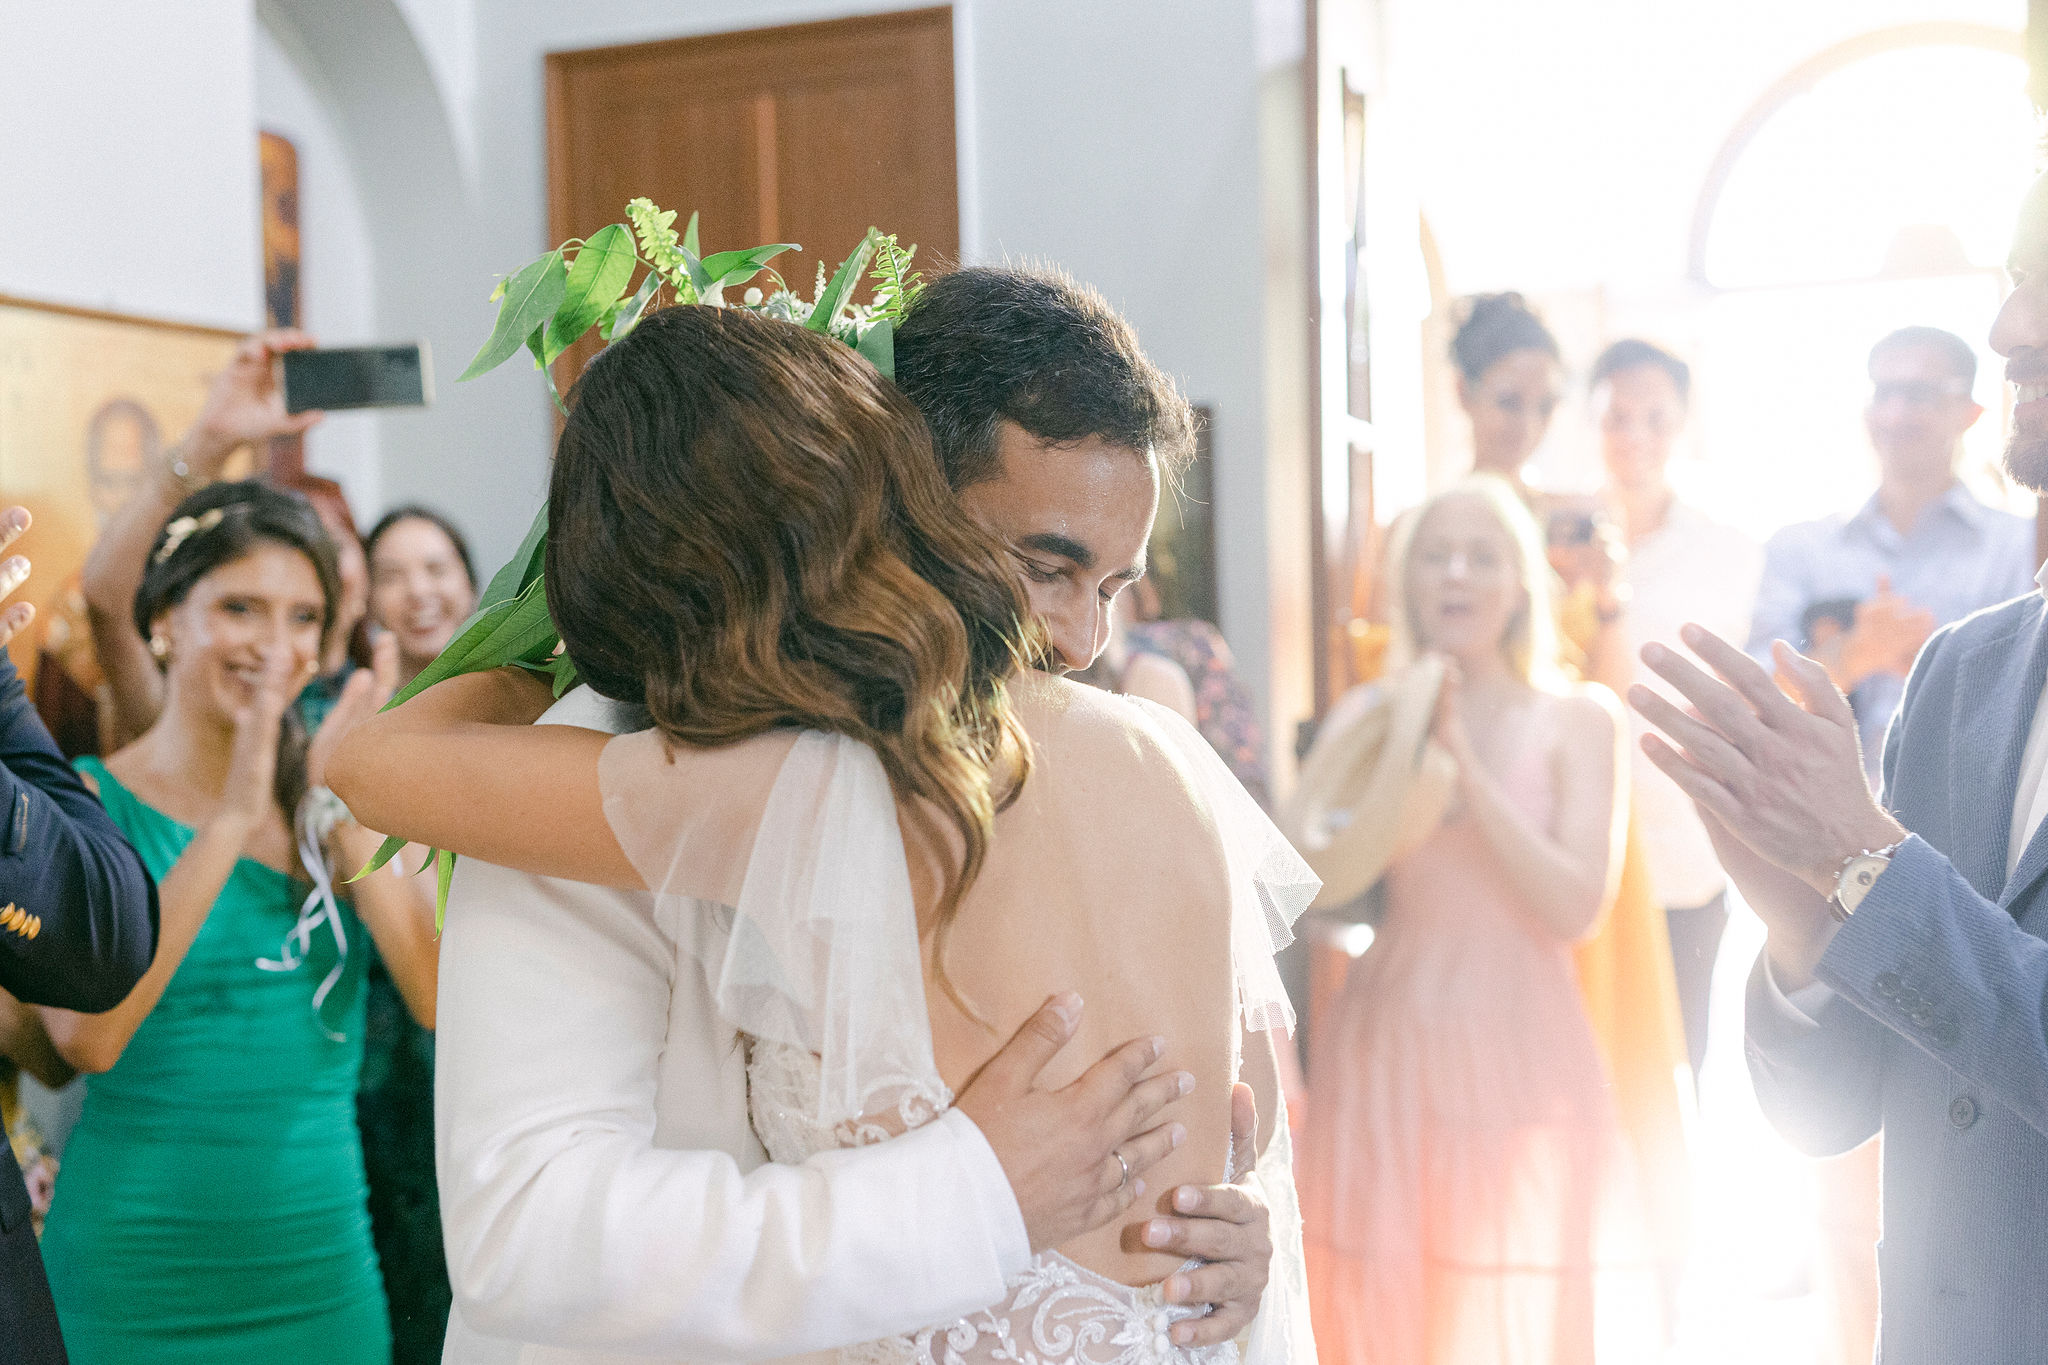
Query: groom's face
[2021, 336]
[1076, 518]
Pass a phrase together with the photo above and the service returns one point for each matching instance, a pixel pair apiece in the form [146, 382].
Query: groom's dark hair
[1031, 346]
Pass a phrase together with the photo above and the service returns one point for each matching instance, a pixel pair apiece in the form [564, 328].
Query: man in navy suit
[1904, 985]
[78, 922]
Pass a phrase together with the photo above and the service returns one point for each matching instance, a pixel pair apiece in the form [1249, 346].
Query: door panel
[808, 133]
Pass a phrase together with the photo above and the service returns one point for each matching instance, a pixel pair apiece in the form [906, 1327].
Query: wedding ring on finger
[1124, 1167]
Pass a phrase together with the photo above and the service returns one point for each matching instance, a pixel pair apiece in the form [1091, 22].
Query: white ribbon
[319, 812]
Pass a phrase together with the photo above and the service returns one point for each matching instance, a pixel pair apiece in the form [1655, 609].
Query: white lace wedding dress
[818, 970]
[1056, 1311]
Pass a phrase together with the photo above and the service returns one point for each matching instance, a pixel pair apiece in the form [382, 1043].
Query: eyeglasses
[1917, 393]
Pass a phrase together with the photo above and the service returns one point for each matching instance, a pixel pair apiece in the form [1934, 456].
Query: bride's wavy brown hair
[748, 529]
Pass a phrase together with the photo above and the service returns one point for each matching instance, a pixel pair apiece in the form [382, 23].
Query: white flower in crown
[184, 528]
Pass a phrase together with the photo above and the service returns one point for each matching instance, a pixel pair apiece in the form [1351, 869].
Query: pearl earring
[160, 647]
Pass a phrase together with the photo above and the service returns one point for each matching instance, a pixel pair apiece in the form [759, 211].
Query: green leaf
[538, 345]
[444, 873]
[524, 566]
[896, 284]
[565, 673]
[385, 852]
[690, 234]
[454, 660]
[627, 315]
[553, 392]
[878, 344]
[598, 276]
[517, 631]
[705, 288]
[836, 293]
[737, 267]
[531, 297]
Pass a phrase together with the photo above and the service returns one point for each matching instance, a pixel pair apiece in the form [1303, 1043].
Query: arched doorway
[1872, 187]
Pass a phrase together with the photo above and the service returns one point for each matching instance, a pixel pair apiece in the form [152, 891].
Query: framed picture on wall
[277, 161]
[88, 403]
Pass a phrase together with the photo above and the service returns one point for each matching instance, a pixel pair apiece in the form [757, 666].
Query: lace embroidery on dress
[1053, 1313]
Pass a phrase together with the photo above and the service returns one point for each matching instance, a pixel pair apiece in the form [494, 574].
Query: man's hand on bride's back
[1227, 1227]
[1075, 1157]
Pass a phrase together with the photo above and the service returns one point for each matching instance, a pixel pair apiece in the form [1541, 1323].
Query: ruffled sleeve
[1270, 885]
[820, 949]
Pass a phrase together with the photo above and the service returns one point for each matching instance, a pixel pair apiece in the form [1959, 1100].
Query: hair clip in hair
[184, 528]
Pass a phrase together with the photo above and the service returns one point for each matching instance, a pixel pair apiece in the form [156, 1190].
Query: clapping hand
[1887, 634]
[362, 697]
[1784, 778]
[252, 762]
[1447, 728]
[13, 573]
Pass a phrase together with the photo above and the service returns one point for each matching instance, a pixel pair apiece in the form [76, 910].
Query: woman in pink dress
[1466, 1191]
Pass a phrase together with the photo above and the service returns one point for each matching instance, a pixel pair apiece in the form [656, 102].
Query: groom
[1904, 983]
[1052, 426]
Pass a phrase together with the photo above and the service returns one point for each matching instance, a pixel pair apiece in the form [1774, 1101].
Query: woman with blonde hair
[1466, 1186]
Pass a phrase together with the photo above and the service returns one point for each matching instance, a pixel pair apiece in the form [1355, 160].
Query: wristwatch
[1859, 873]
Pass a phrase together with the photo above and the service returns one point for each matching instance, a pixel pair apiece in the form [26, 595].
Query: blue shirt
[1961, 556]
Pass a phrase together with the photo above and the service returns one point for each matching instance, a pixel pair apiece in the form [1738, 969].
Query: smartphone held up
[358, 377]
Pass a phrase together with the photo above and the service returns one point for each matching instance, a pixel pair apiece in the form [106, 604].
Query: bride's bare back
[1105, 877]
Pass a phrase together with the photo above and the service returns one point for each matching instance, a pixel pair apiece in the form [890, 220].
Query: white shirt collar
[2041, 579]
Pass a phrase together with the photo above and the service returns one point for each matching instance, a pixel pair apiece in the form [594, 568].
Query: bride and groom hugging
[859, 832]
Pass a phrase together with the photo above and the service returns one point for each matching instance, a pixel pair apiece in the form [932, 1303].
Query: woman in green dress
[211, 1206]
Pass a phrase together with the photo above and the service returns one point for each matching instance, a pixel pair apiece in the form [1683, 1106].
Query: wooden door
[808, 133]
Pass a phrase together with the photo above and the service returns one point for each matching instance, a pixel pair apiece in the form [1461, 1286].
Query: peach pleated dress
[1467, 1194]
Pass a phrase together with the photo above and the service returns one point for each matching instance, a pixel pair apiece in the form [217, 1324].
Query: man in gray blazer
[1904, 986]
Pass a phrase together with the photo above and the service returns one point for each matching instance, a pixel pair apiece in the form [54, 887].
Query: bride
[887, 840]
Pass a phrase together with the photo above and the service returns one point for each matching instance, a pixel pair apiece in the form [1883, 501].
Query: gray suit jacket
[1938, 1028]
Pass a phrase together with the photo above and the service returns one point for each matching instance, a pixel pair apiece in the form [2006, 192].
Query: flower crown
[184, 528]
[548, 305]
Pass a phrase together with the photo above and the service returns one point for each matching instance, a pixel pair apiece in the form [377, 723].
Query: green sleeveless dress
[210, 1206]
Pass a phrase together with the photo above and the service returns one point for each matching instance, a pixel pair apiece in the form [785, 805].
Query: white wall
[128, 159]
[395, 98]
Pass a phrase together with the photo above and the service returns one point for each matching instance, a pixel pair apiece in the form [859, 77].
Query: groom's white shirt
[602, 1193]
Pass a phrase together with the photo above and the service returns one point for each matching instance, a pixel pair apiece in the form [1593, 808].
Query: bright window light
[1894, 144]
